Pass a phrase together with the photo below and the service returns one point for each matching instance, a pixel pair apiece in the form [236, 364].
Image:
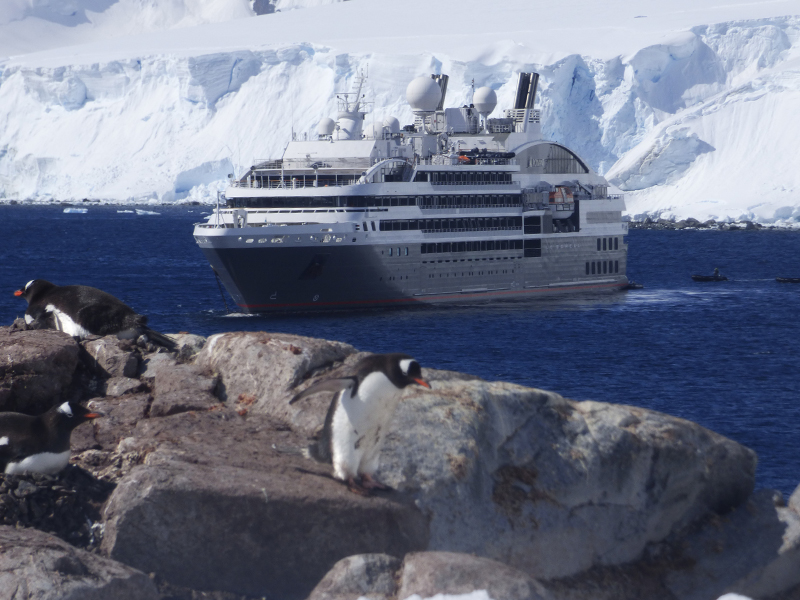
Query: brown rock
[38, 566]
[431, 573]
[111, 357]
[365, 575]
[216, 507]
[182, 388]
[35, 367]
[260, 371]
[120, 386]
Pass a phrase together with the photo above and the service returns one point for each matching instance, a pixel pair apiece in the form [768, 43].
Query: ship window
[616, 266]
[598, 243]
[605, 267]
[390, 251]
[593, 270]
[587, 268]
[604, 243]
[365, 226]
[406, 253]
[616, 243]
[373, 225]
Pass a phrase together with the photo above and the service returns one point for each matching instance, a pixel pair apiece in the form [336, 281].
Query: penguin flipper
[328, 385]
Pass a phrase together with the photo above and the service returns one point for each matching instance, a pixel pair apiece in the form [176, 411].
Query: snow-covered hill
[691, 105]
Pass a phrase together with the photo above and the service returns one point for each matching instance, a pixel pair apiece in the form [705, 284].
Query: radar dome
[375, 131]
[485, 100]
[326, 126]
[392, 124]
[423, 94]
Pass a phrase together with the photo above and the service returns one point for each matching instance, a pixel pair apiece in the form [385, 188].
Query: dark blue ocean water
[725, 355]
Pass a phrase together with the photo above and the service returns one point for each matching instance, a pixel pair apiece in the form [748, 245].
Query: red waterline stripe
[444, 297]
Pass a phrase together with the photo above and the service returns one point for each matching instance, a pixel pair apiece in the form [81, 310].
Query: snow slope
[690, 105]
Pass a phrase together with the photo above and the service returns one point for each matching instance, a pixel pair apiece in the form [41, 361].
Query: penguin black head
[404, 370]
[69, 415]
[33, 288]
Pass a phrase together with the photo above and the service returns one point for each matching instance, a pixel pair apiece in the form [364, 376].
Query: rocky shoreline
[193, 486]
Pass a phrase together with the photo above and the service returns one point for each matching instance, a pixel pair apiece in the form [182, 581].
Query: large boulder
[37, 566]
[35, 367]
[259, 372]
[550, 486]
[217, 507]
[427, 574]
[754, 551]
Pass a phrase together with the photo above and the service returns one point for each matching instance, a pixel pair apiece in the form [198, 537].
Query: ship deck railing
[295, 183]
[446, 160]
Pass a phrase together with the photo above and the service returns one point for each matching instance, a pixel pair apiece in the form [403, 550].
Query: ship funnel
[526, 90]
[442, 81]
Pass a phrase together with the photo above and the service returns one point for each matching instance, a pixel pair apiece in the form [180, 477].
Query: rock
[37, 566]
[365, 575]
[554, 487]
[187, 345]
[120, 386]
[259, 372]
[755, 551]
[35, 367]
[112, 357]
[182, 388]
[430, 573]
[66, 504]
[120, 416]
[154, 362]
[216, 507]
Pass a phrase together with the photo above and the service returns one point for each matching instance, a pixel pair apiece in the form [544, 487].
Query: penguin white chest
[360, 423]
[44, 462]
[64, 322]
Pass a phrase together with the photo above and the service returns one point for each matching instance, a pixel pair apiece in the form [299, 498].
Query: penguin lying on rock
[39, 444]
[80, 311]
[359, 416]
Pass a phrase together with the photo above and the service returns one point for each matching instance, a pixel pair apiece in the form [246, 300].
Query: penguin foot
[357, 488]
[368, 482]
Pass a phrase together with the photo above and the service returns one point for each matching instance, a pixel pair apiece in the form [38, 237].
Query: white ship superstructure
[457, 207]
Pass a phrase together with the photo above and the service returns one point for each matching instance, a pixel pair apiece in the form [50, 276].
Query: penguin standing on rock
[359, 416]
[39, 444]
[80, 311]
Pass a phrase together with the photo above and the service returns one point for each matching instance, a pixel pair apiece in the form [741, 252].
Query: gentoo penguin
[80, 310]
[359, 415]
[39, 444]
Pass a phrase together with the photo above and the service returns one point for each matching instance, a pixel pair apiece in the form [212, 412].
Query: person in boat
[716, 272]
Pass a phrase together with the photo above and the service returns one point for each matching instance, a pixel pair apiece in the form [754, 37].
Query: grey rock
[120, 386]
[370, 576]
[119, 420]
[215, 506]
[187, 345]
[182, 388]
[154, 362]
[112, 357]
[754, 551]
[431, 573]
[259, 372]
[35, 367]
[554, 487]
[37, 566]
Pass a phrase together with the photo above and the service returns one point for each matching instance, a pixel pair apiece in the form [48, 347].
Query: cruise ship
[457, 207]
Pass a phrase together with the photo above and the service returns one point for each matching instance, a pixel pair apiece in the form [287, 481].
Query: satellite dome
[326, 126]
[423, 94]
[485, 100]
[375, 131]
[392, 124]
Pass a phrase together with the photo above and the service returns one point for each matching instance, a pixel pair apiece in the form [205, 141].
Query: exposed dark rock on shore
[194, 477]
[690, 223]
